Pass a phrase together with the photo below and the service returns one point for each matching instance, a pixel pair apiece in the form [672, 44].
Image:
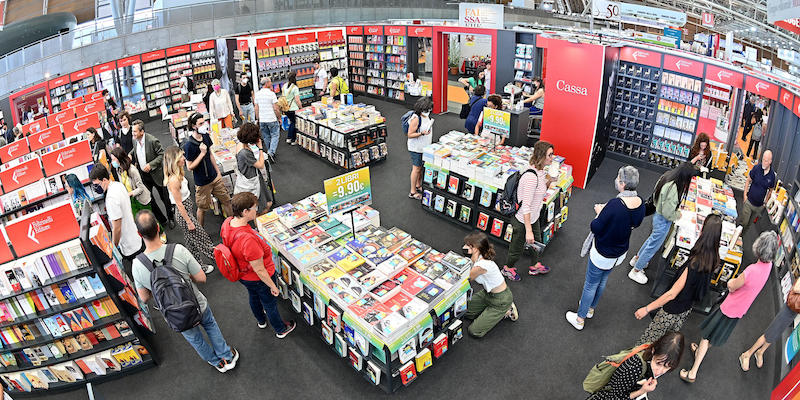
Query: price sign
[497, 122]
[348, 191]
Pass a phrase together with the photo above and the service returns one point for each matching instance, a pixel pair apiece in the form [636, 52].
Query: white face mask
[203, 129]
[426, 114]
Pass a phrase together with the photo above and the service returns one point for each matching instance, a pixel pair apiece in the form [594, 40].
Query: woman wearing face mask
[495, 301]
[628, 381]
[220, 105]
[420, 129]
[536, 99]
[129, 176]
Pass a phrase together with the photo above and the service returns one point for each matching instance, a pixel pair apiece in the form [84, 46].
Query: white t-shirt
[319, 78]
[184, 192]
[418, 143]
[492, 278]
[118, 206]
[265, 99]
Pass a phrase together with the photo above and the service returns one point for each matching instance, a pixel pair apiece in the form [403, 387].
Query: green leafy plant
[454, 52]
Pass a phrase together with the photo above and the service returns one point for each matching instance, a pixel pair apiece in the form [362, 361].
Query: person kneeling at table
[495, 301]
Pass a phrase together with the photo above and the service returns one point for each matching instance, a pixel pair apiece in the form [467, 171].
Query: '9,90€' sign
[497, 122]
[348, 191]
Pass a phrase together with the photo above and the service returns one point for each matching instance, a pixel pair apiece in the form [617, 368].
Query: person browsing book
[760, 182]
[476, 102]
[118, 208]
[420, 134]
[494, 302]
[215, 351]
[253, 255]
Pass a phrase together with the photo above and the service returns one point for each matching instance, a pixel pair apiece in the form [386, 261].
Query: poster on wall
[487, 16]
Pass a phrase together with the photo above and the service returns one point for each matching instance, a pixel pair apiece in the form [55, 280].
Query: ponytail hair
[480, 241]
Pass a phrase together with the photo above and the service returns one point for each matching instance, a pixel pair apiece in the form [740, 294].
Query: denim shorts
[416, 159]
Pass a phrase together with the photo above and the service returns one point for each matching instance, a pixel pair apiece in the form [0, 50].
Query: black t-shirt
[696, 286]
[204, 173]
[245, 93]
[126, 139]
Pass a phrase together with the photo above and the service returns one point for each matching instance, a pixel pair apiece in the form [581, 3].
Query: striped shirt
[530, 192]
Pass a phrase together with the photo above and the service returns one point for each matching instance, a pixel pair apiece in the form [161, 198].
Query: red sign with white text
[392, 30]
[373, 30]
[761, 87]
[207, 45]
[329, 36]
[41, 230]
[178, 50]
[45, 137]
[639, 56]
[61, 116]
[60, 81]
[420, 31]
[574, 78]
[726, 76]
[796, 107]
[242, 44]
[787, 98]
[104, 67]
[67, 157]
[300, 38]
[94, 106]
[708, 19]
[790, 25]
[153, 55]
[127, 62]
[34, 126]
[71, 103]
[5, 251]
[683, 65]
[355, 30]
[14, 150]
[93, 96]
[84, 73]
[271, 42]
[23, 174]
[79, 125]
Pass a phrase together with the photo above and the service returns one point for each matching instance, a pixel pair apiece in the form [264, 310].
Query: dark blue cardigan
[612, 228]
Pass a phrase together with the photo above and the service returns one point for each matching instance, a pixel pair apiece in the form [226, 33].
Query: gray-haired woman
[717, 327]
[612, 232]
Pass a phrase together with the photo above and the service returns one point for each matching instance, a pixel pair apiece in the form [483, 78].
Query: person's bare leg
[755, 347]
[414, 179]
[702, 349]
[760, 353]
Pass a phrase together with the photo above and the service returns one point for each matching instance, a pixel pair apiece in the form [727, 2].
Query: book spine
[62, 262]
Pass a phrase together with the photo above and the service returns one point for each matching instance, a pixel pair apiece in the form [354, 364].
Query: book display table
[347, 136]
[464, 175]
[705, 196]
[386, 303]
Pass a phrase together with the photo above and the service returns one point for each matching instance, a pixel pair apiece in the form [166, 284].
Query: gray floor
[541, 356]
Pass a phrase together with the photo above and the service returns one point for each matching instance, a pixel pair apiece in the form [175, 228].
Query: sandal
[415, 196]
[759, 360]
[684, 375]
[744, 362]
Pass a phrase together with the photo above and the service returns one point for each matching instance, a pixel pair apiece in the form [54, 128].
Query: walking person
[760, 182]
[494, 302]
[747, 114]
[243, 93]
[129, 176]
[292, 94]
[195, 236]
[77, 194]
[268, 114]
[692, 285]
[784, 319]
[215, 350]
[670, 189]
[420, 134]
[148, 156]
[118, 208]
[125, 134]
[525, 227]
[320, 80]
[250, 160]
[611, 229]
[718, 326]
[207, 177]
[755, 139]
[253, 255]
[220, 107]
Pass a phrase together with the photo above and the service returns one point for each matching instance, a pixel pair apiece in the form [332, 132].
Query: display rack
[676, 117]
[179, 64]
[523, 66]
[387, 304]
[458, 189]
[635, 102]
[357, 60]
[345, 144]
[241, 65]
[333, 52]
[105, 77]
[82, 82]
[303, 53]
[155, 78]
[375, 55]
[129, 71]
[68, 311]
[204, 62]
[60, 91]
[273, 60]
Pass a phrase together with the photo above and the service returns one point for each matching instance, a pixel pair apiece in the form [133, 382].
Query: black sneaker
[289, 328]
[229, 365]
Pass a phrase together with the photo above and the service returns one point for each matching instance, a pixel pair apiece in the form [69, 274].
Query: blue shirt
[759, 185]
[205, 172]
[612, 228]
[474, 112]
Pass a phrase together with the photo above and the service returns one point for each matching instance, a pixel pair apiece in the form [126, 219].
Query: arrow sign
[45, 138]
[60, 160]
[639, 56]
[92, 107]
[32, 234]
[726, 76]
[682, 65]
[763, 88]
[23, 174]
[42, 229]
[14, 150]
[80, 124]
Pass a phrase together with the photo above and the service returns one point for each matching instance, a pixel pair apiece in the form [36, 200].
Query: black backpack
[508, 202]
[172, 294]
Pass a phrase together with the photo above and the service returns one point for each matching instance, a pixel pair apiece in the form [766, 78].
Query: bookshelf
[634, 111]
[155, 78]
[60, 91]
[68, 311]
[333, 52]
[357, 60]
[179, 64]
[272, 60]
[82, 82]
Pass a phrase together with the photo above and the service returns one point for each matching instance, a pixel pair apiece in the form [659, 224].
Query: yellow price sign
[497, 122]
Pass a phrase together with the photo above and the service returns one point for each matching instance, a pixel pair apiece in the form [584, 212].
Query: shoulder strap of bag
[148, 263]
[635, 351]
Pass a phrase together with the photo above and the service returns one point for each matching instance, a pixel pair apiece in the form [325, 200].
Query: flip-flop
[415, 196]
[759, 360]
[684, 375]
[744, 362]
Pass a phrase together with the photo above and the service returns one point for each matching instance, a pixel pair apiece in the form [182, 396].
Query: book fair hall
[408, 199]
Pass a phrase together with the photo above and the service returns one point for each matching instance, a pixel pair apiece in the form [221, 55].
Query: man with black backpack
[200, 160]
[168, 274]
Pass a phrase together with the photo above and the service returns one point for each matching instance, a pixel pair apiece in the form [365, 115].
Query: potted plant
[454, 55]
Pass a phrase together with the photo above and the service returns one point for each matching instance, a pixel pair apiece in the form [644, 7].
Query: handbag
[466, 108]
[244, 184]
[793, 301]
[649, 207]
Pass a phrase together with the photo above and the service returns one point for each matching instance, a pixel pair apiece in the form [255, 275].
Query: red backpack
[226, 262]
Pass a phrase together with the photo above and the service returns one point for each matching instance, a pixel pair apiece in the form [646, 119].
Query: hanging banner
[674, 33]
[127, 62]
[104, 67]
[301, 38]
[474, 15]
[497, 122]
[34, 126]
[348, 191]
[707, 19]
[61, 116]
[13, 150]
[91, 107]
[270, 42]
[79, 125]
[787, 99]
[84, 73]
[761, 87]
[638, 15]
[153, 55]
[330, 36]
[392, 30]
[683, 65]
[355, 30]
[791, 25]
[661, 40]
[420, 31]
[42, 229]
[60, 81]
[68, 157]
[206, 45]
[23, 174]
[45, 138]
[178, 50]
[639, 56]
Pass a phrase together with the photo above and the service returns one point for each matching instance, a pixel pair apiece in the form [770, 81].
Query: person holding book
[700, 156]
[743, 290]
[495, 302]
[118, 208]
[215, 351]
[420, 134]
[254, 258]
[667, 195]
[77, 193]
[525, 227]
[130, 177]
[694, 277]
[784, 319]
[250, 160]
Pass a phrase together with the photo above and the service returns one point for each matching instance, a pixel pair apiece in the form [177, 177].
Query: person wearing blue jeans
[218, 351]
[270, 135]
[264, 305]
[593, 288]
[268, 113]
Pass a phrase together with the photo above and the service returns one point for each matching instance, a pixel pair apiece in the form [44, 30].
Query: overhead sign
[661, 40]
[348, 191]
[355, 30]
[13, 150]
[206, 45]
[45, 138]
[635, 14]
[674, 33]
[391, 30]
[683, 65]
[761, 87]
[781, 10]
[420, 31]
[178, 50]
[242, 44]
[639, 56]
[42, 229]
[497, 122]
[153, 55]
[373, 30]
[707, 19]
[726, 76]
[23, 174]
[473, 15]
[127, 62]
[109, 66]
[270, 42]
[60, 81]
[301, 38]
[791, 25]
[79, 125]
[67, 157]
[787, 98]
[84, 73]
[330, 36]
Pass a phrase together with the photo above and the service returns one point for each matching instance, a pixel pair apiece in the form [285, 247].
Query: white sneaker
[288, 141]
[634, 260]
[208, 268]
[572, 318]
[637, 276]
[590, 314]
[262, 326]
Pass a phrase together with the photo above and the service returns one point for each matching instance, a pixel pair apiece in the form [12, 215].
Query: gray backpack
[172, 294]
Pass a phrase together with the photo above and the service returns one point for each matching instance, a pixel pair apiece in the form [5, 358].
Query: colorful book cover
[450, 210]
[408, 350]
[425, 335]
[440, 345]
[319, 306]
[408, 373]
[416, 284]
[423, 360]
[339, 345]
[452, 185]
[327, 332]
[486, 198]
[390, 324]
[483, 221]
[464, 214]
[427, 195]
[374, 373]
[441, 180]
[308, 313]
[438, 203]
[356, 360]
[497, 227]
[430, 293]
